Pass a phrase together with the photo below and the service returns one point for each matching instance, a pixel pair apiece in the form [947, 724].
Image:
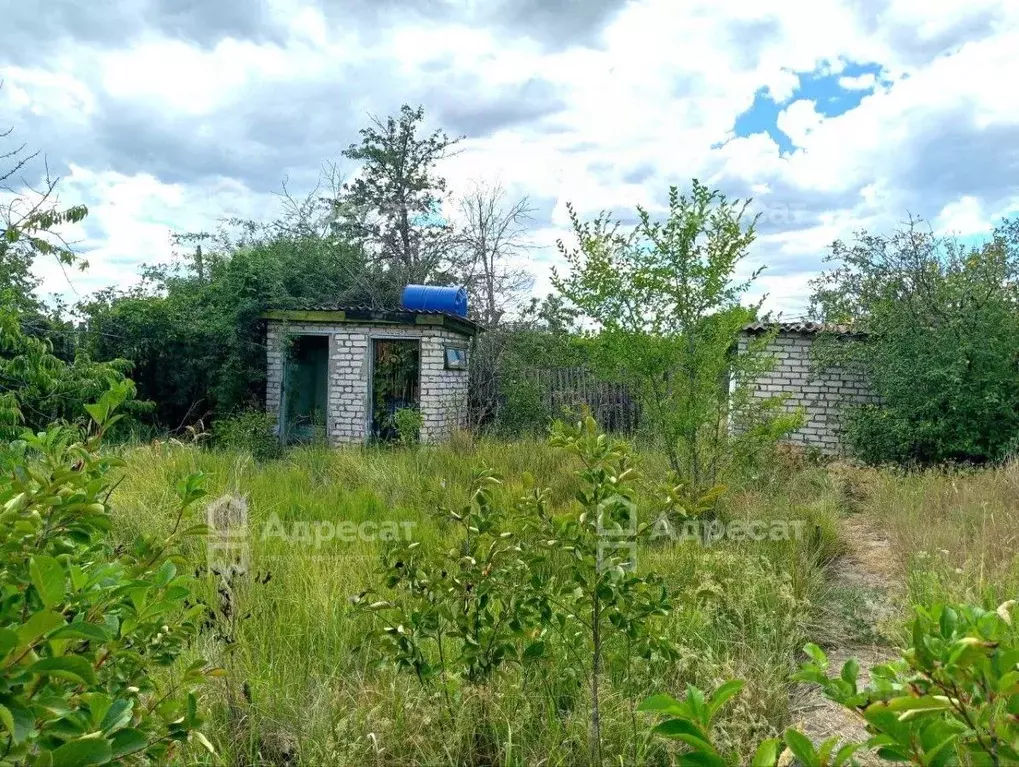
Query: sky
[833, 115]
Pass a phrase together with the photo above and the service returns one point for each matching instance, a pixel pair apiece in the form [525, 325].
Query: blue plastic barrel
[435, 298]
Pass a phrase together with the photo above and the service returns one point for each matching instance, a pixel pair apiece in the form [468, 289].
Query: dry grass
[953, 534]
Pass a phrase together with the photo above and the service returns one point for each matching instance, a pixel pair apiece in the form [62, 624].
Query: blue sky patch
[822, 87]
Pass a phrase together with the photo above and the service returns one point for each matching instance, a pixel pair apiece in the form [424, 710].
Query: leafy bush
[465, 603]
[40, 388]
[522, 409]
[408, 422]
[666, 306]
[193, 330]
[952, 699]
[88, 635]
[941, 347]
[249, 430]
[504, 395]
[513, 583]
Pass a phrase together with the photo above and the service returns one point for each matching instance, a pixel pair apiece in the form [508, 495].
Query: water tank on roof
[434, 298]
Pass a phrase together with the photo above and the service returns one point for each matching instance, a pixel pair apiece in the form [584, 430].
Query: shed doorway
[304, 389]
[395, 384]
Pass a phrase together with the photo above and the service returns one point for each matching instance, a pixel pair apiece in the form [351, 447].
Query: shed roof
[366, 315]
[805, 327]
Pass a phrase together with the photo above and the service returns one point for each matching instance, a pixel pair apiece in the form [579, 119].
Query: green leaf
[128, 741]
[7, 718]
[722, 695]
[98, 411]
[49, 579]
[801, 747]
[909, 703]
[534, 651]
[118, 715]
[72, 667]
[845, 753]
[19, 720]
[99, 703]
[686, 731]
[948, 621]
[701, 759]
[84, 752]
[8, 641]
[767, 753]
[662, 704]
[165, 574]
[40, 623]
[816, 654]
[851, 671]
[90, 631]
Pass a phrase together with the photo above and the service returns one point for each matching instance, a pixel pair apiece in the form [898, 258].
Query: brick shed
[821, 392]
[345, 373]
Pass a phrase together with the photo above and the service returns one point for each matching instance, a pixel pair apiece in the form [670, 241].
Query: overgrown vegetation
[668, 312]
[493, 602]
[328, 525]
[941, 347]
[951, 699]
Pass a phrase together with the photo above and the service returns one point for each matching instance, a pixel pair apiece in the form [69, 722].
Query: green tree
[193, 329]
[667, 311]
[583, 565]
[37, 388]
[43, 376]
[392, 206]
[938, 341]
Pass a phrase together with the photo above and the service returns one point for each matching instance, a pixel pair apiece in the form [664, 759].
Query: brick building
[822, 393]
[344, 373]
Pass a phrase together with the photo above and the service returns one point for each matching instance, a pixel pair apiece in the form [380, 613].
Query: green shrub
[665, 301]
[38, 388]
[408, 422]
[952, 699]
[523, 409]
[89, 636]
[250, 431]
[941, 345]
[521, 585]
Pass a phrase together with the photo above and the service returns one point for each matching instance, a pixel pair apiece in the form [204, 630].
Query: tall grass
[954, 533]
[303, 686]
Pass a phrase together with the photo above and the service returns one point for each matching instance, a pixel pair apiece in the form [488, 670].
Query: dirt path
[863, 582]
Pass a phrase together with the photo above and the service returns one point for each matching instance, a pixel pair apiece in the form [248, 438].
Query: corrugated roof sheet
[802, 326]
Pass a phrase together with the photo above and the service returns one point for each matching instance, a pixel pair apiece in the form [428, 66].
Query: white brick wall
[821, 393]
[443, 393]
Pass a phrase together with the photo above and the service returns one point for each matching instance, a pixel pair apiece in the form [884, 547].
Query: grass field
[303, 685]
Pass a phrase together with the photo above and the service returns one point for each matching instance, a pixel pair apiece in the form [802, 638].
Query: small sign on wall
[456, 357]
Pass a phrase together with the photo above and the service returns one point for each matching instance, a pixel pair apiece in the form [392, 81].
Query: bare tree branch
[493, 233]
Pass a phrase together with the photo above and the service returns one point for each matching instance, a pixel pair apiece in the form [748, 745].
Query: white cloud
[963, 216]
[799, 120]
[653, 103]
[131, 221]
[862, 82]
